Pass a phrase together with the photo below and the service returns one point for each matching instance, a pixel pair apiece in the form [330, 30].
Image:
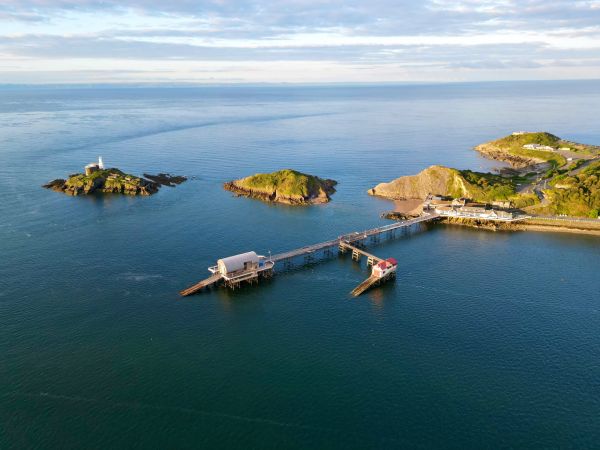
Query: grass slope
[287, 182]
[576, 195]
[513, 145]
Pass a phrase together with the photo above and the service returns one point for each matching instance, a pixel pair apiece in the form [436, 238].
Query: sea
[485, 339]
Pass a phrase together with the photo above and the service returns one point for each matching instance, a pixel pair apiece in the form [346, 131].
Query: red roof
[392, 261]
[382, 265]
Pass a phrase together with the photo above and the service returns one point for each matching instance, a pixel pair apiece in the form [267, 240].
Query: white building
[384, 268]
[95, 166]
[238, 263]
[539, 147]
[242, 267]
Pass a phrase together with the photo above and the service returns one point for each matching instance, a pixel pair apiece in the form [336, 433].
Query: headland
[550, 181]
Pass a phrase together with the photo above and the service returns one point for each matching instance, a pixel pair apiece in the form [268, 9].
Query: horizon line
[176, 84]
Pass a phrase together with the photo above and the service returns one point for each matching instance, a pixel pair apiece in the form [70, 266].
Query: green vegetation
[107, 181]
[555, 159]
[513, 144]
[286, 182]
[285, 186]
[524, 200]
[510, 148]
[519, 140]
[575, 195]
[487, 187]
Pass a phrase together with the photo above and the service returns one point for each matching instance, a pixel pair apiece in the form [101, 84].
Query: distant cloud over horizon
[94, 41]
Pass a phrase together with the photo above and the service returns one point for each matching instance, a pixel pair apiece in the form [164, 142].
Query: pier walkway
[370, 282]
[352, 241]
[358, 252]
[351, 238]
[201, 285]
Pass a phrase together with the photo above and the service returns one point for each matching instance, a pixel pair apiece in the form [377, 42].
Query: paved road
[567, 219]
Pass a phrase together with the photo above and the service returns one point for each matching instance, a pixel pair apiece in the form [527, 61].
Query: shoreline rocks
[285, 186]
[111, 181]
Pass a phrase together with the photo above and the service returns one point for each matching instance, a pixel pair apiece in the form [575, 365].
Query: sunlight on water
[484, 337]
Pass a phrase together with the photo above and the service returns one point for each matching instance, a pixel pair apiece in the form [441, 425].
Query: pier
[250, 267]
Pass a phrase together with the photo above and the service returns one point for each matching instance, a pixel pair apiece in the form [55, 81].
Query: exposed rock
[165, 179]
[284, 186]
[437, 180]
[396, 215]
[57, 185]
[109, 181]
[493, 151]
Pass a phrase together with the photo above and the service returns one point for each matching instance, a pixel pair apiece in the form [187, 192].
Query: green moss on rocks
[106, 181]
[284, 186]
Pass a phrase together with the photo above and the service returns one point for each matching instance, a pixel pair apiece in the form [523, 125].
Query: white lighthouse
[100, 163]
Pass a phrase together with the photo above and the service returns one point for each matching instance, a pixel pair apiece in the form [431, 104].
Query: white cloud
[335, 40]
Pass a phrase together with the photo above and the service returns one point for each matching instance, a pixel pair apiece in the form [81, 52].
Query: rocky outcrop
[497, 153]
[438, 180]
[165, 179]
[284, 186]
[111, 181]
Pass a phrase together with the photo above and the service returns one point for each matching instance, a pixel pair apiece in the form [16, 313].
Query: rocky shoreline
[112, 181]
[286, 186]
[496, 153]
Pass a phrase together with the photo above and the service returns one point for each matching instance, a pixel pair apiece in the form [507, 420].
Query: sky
[297, 41]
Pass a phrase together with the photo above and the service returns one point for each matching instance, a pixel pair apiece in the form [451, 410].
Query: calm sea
[485, 340]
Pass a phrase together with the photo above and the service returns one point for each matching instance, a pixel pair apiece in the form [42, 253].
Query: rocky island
[97, 179]
[549, 176]
[284, 186]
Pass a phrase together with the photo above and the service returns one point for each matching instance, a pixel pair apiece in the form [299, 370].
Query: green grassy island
[549, 175]
[284, 186]
[109, 181]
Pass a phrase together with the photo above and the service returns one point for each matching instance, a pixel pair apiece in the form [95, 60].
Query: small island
[98, 179]
[548, 176]
[284, 186]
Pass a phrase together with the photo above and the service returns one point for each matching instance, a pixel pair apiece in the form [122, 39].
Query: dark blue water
[485, 340]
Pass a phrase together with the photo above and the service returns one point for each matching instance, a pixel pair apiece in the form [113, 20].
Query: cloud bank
[50, 41]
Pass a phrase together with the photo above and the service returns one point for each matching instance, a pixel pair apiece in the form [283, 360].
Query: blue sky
[222, 41]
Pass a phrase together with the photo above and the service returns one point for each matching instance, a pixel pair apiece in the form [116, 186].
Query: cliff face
[436, 180]
[285, 186]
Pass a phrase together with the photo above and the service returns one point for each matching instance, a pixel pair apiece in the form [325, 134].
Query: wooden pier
[348, 242]
[215, 278]
[351, 238]
[370, 282]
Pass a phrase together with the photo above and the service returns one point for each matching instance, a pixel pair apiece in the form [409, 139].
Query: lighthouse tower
[100, 163]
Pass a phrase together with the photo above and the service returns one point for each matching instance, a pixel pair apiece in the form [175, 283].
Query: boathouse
[384, 268]
[238, 263]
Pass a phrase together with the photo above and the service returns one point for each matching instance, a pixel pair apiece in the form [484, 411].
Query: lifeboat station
[250, 267]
